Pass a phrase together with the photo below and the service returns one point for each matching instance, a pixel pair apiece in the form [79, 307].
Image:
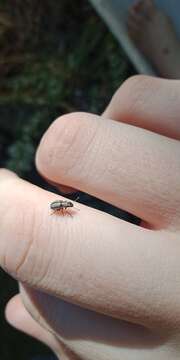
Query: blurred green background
[56, 57]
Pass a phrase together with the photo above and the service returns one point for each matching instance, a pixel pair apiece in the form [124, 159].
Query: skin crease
[112, 290]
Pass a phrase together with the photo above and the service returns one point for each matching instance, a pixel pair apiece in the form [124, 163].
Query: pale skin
[97, 287]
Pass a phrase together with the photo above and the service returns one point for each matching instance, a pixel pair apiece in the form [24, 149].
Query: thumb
[18, 317]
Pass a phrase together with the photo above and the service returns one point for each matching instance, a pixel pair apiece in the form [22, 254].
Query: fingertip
[64, 145]
[56, 133]
[13, 310]
[18, 317]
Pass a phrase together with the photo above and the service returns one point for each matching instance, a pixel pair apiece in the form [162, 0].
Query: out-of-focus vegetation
[55, 57]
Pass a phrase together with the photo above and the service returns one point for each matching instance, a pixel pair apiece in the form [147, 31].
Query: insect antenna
[76, 200]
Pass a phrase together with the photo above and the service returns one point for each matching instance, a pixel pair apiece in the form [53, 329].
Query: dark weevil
[60, 205]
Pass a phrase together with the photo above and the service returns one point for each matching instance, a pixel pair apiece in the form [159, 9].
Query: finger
[90, 259]
[18, 317]
[63, 189]
[116, 162]
[43, 308]
[82, 331]
[148, 102]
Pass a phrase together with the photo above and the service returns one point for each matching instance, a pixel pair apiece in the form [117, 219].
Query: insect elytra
[58, 206]
[61, 204]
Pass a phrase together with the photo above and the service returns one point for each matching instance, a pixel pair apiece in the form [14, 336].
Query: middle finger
[129, 167]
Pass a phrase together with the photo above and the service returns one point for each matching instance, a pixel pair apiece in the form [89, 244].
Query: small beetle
[59, 205]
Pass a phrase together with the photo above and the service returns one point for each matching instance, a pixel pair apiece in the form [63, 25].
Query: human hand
[125, 278]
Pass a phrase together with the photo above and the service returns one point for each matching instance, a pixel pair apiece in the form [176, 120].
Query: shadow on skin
[73, 322]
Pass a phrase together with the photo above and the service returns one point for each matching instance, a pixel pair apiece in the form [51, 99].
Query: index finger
[90, 259]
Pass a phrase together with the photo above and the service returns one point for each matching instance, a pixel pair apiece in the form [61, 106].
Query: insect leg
[53, 212]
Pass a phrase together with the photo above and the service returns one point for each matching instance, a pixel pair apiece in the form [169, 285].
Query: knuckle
[66, 142]
[135, 90]
[57, 141]
[137, 81]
